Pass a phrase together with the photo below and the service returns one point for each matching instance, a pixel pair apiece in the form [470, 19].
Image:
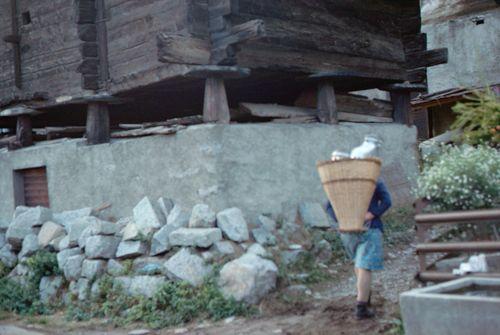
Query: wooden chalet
[93, 66]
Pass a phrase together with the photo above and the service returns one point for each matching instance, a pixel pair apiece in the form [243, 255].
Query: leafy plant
[479, 118]
[42, 264]
[463, 177]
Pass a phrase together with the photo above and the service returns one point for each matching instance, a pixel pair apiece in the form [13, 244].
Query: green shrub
[42, 264]
[4, 270]
[479, 118]
[461, 177]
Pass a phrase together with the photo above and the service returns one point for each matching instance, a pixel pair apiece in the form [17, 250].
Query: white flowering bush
[462, 177]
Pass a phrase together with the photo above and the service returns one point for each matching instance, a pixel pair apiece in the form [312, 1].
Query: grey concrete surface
[255, 167]
[433, 310]
[473, 49]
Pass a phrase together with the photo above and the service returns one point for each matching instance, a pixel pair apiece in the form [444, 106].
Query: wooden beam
[102, 42]
[24, 131]
[97, 130]
[161, 130]
[215, 106]
[175, 48]
[401, 100]
[16, 44]
[426, 58]
[327, 105]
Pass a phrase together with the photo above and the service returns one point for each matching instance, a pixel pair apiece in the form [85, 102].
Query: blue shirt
[380, 203]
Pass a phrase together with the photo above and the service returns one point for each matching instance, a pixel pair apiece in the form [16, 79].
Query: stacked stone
[161, 241]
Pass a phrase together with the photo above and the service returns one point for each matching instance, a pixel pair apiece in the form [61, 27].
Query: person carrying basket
[365, 249]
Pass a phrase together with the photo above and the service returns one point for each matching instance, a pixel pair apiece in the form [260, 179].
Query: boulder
[66, 218]
[123, 222]
[130, 249]
[16, 232]
[202, 217]
[50, 231]
[178, 217]
[148, 265]
[195, 237]
[3, 240]
[248, 278]
[21, 269]
[266, 223]
[63, 255]
[4, 225]
[208, 256]
[82, 240]
[30, 246]
[187, 267]
[223, 248]
[49, 288]
[64, 243]
[34, 216]
[263, 236]
[54, 244]
[313, 215]
[141, 285]
[101, 246]
[161, 242]
[75, 230]
[83, 286]
[131, 232]
[258, 250]
[7, 256]
[148, 216]
[291, 256]
[165, 205]
[293, 233]
[20, 210]
[115, 268]
[233, 224]
[93, 268]
[100, 227]
[73, 267]
[322, 250]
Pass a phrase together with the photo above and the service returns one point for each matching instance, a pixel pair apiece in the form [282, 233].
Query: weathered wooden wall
[133, 27]
[50, 54]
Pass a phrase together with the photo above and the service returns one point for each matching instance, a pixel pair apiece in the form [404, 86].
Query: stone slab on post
[401, 100]
[327, 105]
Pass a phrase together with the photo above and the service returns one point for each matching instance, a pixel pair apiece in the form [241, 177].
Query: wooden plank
[16, 46]
[215, 106]
[283, 112]
[102, 42]
[182, 49]
[146, 132]
[434, 276]
[24, 133]
[327, 105]
[426, 58]
[299, 119]
[97, 129]
[402, 107]
[482, 246]
[483, 215]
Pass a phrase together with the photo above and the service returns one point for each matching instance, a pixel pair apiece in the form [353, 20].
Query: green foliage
[399, 226]
[462, 177]
[307, 264]
[479, 118]
[23, 298]
[172, 304]
[333, 237]
[4, 270]
[128, 267]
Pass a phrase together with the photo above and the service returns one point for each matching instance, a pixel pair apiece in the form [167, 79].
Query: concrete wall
[256, 167]
[473, 49]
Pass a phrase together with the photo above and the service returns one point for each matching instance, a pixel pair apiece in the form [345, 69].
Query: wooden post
[97, 123]
[402, 107]
[24, 131]
[215, 106]
[15, 40]
[327, 105]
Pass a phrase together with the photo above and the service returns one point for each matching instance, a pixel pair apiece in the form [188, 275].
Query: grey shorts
[365, 249]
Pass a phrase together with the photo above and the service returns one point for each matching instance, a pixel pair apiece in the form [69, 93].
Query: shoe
[363, 312]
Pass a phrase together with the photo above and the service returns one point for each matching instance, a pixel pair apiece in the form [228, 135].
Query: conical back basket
[349, 185]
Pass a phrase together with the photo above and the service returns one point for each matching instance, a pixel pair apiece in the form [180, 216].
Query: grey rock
[148, 216]
[131, 232]
[20, 270]
[130, 249]
[34, 216]
[101, 246]
[233, 224]
[73, 267]
[258, 250]
[266, 223]
[3, 240]
[141, 285]
[49, 288]
[248, 278]
[7, 256]
[195, 237]
[178, 217]
[115, 268]
[165, 206]
[141, 264]
[20, 210]
[50, 231]
[291, 256]
[187, 267]
[82, 239]
[93, 268]
[223, 248]
[66, 218]
[123, 222]
[63, 255]
[161, 242]
[54, 244]
[75, 230]
[83, 287]
[100, 227]
[17, 231]
[208, 256]
[64, 243]
[313, 215]
[150, 269]
[202, 217]
[4, 224]
[263, 236]
[323, 251]
[30, 246]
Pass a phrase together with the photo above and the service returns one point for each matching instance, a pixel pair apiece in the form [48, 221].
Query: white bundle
[367, 149]
[475, 264]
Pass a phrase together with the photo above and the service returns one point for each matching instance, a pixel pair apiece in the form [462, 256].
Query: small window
[31, 187]
[26, 18]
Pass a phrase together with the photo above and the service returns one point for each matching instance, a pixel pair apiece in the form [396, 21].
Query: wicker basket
[349, 185]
